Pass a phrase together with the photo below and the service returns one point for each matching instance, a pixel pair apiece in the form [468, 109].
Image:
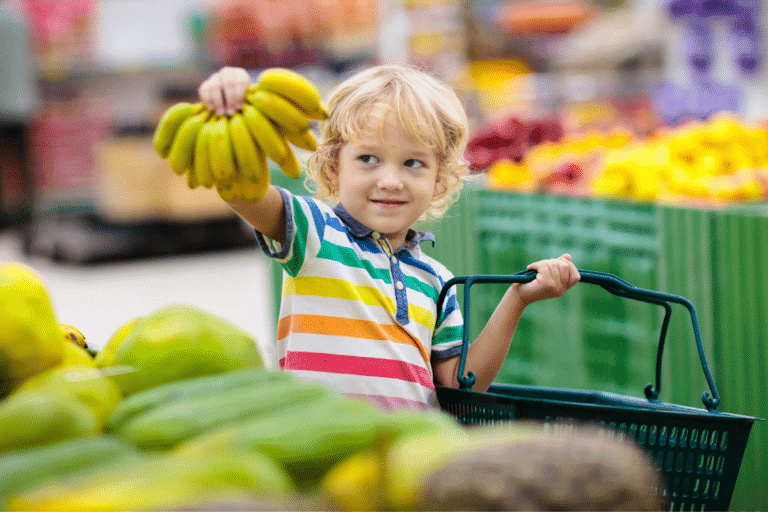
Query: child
[359, 305]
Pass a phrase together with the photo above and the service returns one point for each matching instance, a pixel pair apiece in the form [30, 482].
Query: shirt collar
[361, 231]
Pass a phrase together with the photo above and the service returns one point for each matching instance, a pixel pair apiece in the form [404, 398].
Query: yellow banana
[221, 152]
[284, 113]
[304, 140]
[202, 158]
[251, 189]
[295, 88]
[72, 335]
[290, 164]
[169, 124]
[228, 191]
[192, 178]
[247, 155]
[264, 133]
[183, 148]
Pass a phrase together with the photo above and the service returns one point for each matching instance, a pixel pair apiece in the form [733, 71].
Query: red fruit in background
[479, 158]
[487, 137]
[510, 129]
[565, 174]
[537, 132]
[516, 151]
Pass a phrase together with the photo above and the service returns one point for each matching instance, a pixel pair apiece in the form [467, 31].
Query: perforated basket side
[699, 452]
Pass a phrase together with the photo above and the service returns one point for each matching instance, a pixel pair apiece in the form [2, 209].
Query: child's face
[386, 183]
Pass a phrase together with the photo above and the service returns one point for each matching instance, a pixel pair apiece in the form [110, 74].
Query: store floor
[98, 299]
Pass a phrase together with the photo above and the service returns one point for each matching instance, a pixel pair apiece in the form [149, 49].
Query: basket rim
[584, 398]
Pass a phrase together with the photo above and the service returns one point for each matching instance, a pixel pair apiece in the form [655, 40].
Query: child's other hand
[224, 91]
[554, 277]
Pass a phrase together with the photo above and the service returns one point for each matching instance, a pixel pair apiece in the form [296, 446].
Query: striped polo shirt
[356, 316]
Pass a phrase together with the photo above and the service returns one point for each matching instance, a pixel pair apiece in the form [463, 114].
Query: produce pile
[718, 161]
[230, 152]
[177, 411]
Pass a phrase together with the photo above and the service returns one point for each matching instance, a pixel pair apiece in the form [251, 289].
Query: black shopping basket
[699, 451]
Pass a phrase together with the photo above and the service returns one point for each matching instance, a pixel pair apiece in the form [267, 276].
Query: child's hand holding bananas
[225, 140]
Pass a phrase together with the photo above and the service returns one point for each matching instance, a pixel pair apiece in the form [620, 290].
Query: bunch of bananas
[230, 152]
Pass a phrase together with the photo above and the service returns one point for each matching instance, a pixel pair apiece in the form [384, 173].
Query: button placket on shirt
[398, 279]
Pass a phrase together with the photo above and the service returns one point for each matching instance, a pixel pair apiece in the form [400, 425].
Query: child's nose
[390, 179]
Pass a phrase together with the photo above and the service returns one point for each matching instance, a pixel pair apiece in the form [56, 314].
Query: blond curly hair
[426, 108]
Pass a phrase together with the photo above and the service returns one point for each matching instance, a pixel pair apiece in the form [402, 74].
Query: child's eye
[368, 159]
[412, 162]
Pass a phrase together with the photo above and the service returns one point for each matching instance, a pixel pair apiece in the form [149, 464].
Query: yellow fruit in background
[81, 383]
[179, 342]
[77, 356]
[30, 338]
[73, 335]
[106, 355]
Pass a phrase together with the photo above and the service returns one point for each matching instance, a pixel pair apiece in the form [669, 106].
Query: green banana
[304, 140]
[282, 112]
[169, 124]
[202, 158]
[206, 385]
[248, 156]
[264, 133]
[181, 155]
[165, 427]
[296, 88]
[222, 154]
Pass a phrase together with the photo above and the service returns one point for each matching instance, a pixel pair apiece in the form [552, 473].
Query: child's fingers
[223, 92]
[235, 82]
[211, 93]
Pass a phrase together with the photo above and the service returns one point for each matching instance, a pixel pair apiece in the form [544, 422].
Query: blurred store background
[631, 133]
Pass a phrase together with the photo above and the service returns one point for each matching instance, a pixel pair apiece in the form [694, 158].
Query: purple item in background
[669, 102]
[718, 8]
[709, 97]
[746, 50]
[698, 44]
[677, 104]
[679, 8]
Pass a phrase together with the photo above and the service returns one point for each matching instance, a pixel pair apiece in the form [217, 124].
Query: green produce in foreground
[30, 336]
[163, 483]
[306, 440]
[83, 384]
[194, 387]
[106, 356]
[37, 418]
[73, 458]
[179, 342]
[163, 428]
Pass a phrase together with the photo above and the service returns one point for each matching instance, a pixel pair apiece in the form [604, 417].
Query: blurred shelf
[55, 72]
[87, 238]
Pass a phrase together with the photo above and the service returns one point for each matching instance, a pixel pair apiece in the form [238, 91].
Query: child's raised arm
[223, 93]
[486, 355]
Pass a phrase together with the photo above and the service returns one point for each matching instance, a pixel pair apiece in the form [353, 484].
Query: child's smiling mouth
[387, 203]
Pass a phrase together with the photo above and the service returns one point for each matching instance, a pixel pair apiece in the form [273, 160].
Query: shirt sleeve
[304, 228]
[449, 329]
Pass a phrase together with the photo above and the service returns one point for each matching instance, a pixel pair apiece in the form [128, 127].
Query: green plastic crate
[687, 268]
[740, 310]
[584, 339]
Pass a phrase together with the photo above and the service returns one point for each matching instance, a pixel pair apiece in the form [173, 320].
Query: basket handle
[611, 284]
